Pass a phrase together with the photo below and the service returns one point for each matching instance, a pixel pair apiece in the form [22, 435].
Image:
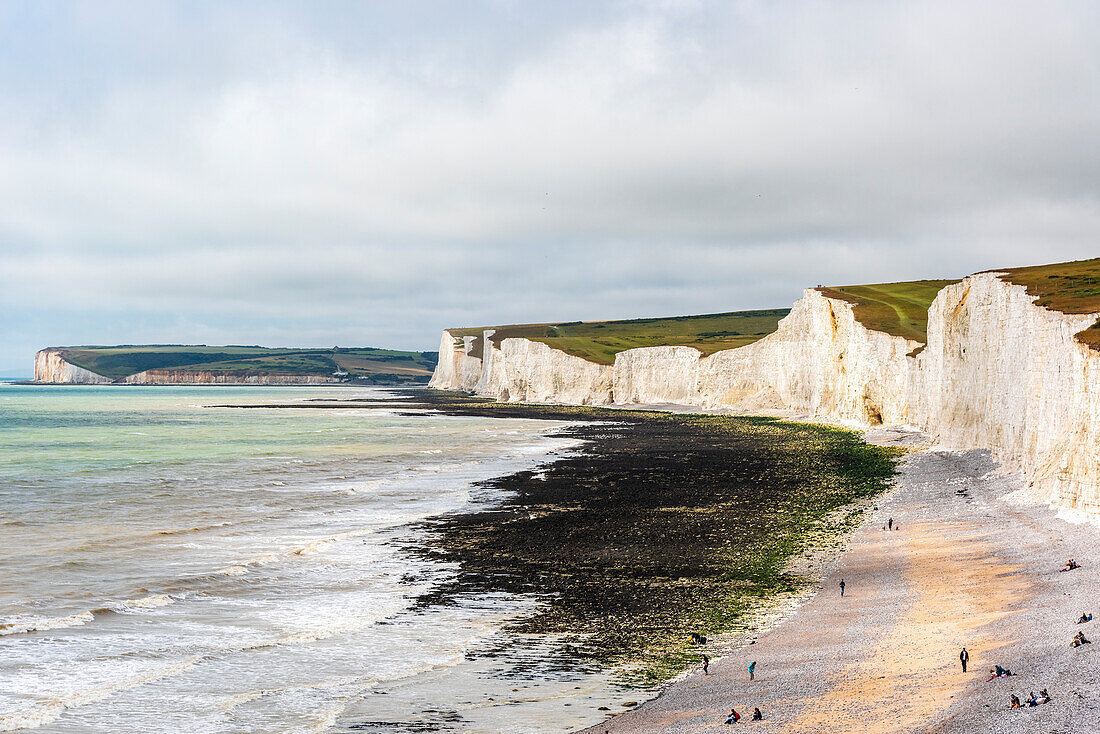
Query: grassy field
[360, 363]
[600, 341]
[1072, 287]
[900, 309]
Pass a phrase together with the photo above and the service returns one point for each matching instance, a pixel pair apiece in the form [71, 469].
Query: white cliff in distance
[51, 367]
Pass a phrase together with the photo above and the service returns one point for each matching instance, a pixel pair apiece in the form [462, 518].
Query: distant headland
[186, 364]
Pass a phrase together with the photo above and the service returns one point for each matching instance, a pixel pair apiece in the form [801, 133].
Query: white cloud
[594, 160]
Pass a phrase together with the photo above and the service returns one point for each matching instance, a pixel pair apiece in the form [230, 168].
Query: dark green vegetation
[1072, 287]
[600, 341]
[662, 525]
[364, 364]
[900, 309]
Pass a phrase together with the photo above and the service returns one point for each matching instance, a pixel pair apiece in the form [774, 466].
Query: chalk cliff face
[50, 366]
[228, 377]
[820, 362]
[1002, 373]
[456, 369]
[998, 372]
[520, 370]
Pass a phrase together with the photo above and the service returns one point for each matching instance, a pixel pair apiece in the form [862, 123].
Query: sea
[168, 565]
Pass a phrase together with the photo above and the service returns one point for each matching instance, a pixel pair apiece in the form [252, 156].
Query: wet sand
[965, 568]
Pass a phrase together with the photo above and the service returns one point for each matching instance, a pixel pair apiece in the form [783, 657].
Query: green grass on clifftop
[900, 309]
[1072, 288]
[365, 363]
[600, 341]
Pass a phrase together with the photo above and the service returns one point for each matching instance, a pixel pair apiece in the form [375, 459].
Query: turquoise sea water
[169, 565]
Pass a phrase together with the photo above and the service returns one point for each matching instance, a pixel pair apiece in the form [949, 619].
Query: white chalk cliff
[997, 372]
[51, 367]
[456, 369]
[1002, 373]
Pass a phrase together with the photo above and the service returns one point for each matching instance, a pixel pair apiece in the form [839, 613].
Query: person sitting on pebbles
[1070, 565]
[1084, 618]
[1038, 700]
[1015, 704]
[756, 715]
[734, 717]
[1079, 639]
[998, 672]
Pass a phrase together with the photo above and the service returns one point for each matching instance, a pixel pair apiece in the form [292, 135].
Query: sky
[369, 173]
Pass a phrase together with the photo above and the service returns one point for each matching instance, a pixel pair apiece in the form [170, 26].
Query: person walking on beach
[752, 670]
[964, 656]
[890, 524]
[706, 663]
[842, 587]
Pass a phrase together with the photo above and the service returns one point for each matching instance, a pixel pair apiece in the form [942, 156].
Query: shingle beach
[966, 567]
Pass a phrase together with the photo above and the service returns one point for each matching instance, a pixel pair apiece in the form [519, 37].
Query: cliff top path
[966, 568]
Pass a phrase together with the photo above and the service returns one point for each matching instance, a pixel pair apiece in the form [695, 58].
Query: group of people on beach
[1078, 640]
[1034, 700]
[735, 717]
[964, 656]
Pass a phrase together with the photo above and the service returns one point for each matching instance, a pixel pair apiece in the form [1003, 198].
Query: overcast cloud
[369, 173]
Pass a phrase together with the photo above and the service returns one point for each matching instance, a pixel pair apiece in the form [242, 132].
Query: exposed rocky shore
[658, 526]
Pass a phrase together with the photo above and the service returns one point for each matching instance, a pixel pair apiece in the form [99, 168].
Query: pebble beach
[966, 565]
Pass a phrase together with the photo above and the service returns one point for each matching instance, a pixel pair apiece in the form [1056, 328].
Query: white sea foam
[146, 602]
[310, 559]
[50, 709]
[32, 623]
[440, 468]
